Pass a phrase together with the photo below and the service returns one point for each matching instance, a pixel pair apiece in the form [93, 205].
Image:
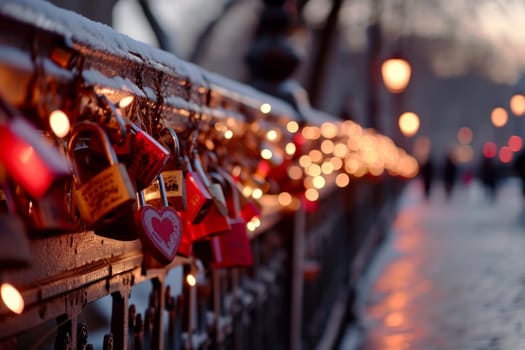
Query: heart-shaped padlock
[159, 229]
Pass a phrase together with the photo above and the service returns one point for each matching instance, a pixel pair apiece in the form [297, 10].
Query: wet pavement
[451, 275]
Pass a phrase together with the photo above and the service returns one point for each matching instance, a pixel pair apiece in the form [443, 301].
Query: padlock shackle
[141, 201]
[176, 143]
[112, 109]
[234, 193]
[93, 128]
[197, 164]
[163, 193]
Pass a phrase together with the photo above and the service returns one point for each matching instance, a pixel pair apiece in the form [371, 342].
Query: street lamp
[396, 72]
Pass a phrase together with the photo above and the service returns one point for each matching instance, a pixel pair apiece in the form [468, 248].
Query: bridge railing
[80, 288]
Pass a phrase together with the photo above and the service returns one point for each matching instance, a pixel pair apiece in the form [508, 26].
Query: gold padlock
[173, 175]
[103, 198]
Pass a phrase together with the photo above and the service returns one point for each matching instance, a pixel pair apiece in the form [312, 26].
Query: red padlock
[144, 156]
[215, 222]
[29, 158]
[232, 249]
[198, 198]
[159, 229]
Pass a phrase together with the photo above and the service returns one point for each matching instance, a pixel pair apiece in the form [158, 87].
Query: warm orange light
[505, 154]
[251, 226]
[295, 172]
[409, 123]
[395, 319]
[315, 155]
[340, 150]
[319, 182]
[257, 193]
[352, 165]
[284, 199]
[328, 130]
[499, 117]
[266, 108]
[59, 123]
[313, 170]
[464, 154]
[290, 148]
[191, 280]
[327, 168]
[311, 133]
[311, 194]
[271, 135]
[12, 298]
[465, 135]
[292, 126]
[337, 163]
[515, 143]
[342, 180]
[396, 74]
[126, 101]
[517, 104]
[327, 146]
[266, 154]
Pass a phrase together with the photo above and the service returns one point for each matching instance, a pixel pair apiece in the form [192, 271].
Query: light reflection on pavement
[451, 274]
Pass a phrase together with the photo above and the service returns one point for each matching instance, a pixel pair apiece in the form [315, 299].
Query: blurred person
[449, 174]
[519, 169]
[427, 174]
[488, 177]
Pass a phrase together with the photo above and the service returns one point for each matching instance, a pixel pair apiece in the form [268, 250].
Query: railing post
[119, 319]
[297, 278]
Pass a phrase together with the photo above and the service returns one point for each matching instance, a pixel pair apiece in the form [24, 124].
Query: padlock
[215, 189]
[233, 248]
[14, 244]
[106, 197]
[28, 157]
[186, 241]
[54, 212]
[159, 229]
[173, 175]
[143, 156]
[199, 199]
[214, 222]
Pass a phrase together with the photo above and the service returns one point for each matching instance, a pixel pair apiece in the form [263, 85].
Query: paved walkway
[450, 276]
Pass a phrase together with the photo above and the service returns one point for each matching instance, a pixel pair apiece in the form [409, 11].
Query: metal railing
[80, 283]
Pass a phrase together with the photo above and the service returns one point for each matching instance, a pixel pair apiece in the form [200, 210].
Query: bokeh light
[465, 135]
[292, 126]
[266, 108]
[342, 180]
[290, 148]
[517, 104]
[409, 123]
[505, 154]
[499, 117]
[12, 298]
[515, 143]
[396, 74]
[311, 194]
[490, 149]
[285, 199]
[59, 123]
